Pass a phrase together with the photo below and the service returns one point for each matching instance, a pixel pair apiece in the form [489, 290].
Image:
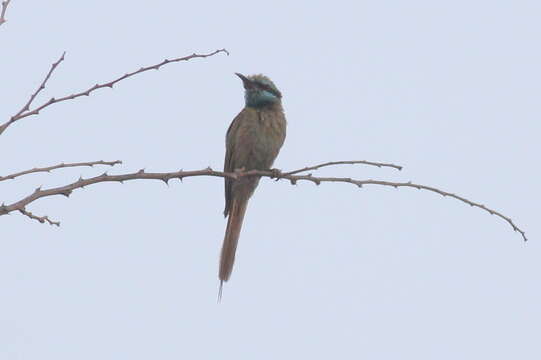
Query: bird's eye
[266, 87]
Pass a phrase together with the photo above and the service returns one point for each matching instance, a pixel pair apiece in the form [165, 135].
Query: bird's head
[259, 91]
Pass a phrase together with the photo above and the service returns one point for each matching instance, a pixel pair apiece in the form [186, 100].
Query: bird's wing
[231, 141]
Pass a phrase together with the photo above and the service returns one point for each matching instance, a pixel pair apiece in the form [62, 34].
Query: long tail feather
[229, 247]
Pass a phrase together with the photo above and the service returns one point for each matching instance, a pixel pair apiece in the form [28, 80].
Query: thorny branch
[165, 177]
[59, 166]
[26, 106]
[3, 11]
[26, 111]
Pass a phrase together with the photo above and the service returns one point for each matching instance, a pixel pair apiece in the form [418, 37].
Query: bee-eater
[253, 141]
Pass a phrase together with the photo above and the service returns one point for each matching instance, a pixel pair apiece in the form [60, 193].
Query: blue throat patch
[258, 98]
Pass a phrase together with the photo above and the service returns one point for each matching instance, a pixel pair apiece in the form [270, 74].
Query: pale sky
[449, 90]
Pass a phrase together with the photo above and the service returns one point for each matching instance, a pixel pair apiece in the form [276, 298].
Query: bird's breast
[271, 135]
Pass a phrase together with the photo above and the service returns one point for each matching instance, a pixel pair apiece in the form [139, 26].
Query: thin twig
[59, 166]
[3, 11]
[41, 219]
[109, 84]
[26, 106]
[165, 177]
[315, 167]
[360, 183]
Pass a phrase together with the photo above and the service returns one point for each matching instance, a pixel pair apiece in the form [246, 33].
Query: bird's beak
[248, 84]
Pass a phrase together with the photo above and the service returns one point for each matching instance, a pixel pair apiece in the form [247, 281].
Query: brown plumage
[253, 141]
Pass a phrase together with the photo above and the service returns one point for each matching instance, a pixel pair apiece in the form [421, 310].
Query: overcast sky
[449, 90]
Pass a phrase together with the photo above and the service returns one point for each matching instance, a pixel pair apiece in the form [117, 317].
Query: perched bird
[253, 141]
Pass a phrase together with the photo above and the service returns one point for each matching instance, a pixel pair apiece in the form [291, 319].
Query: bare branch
[41, 219]
[59, 166]
[26, 106]
[318, 180]
[315, 167]
[165, 177]
[27, 112]
[3, 11]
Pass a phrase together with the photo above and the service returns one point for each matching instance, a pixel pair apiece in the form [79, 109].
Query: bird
[253, 140]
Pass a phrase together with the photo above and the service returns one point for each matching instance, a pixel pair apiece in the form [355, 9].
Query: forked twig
[26, 106]
[26, 111]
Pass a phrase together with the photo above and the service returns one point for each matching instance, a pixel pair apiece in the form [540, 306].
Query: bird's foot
[240, 170]
[276, 174]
